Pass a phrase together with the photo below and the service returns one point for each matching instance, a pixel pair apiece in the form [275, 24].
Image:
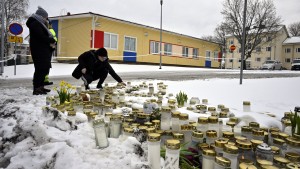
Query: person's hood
[30, 21]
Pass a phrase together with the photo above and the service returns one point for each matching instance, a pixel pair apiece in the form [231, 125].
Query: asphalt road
[164, 75]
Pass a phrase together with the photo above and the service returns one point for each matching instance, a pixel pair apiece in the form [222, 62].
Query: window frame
[154, 45]
[110, 44]
[287, 50]
[297, 50]
[269, 49]
[207, 58]
[167, 49]
[195, 52]
[185, 51]
[135, 46]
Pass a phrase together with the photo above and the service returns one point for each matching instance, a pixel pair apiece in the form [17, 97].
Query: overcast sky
[190, 17]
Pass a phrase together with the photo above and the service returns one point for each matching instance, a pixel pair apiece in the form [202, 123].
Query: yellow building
[130, 42]
[291, 51]
[270, 48]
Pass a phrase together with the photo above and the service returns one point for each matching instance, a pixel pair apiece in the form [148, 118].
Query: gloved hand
[83, 71]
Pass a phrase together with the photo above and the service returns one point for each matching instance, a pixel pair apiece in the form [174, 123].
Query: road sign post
[15, 29]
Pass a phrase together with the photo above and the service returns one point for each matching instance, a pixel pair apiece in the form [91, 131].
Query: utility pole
[161, 3]
[2, 38]
[243, 43]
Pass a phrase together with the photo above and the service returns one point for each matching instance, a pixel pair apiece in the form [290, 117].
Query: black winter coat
[39, 44]
[90, 61]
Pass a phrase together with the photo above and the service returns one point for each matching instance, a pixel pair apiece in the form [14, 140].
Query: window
[195, 52]
[287, 60]
[287, 50]
[258, 49]
[258, 59]
[230, 60]
[297, 50]
[231, 42]
[110, 41]
[268, 58]
[130, 44]
[269, 38]
[249, 46]
[168, 49]
[185, 51]
[207, 55]
[154, 47]
[216, 56]
[268, 49]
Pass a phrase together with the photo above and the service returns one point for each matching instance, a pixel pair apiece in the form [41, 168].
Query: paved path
[164, 75]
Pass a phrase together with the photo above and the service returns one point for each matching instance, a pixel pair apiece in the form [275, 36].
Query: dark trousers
[101, 75]
[39, 76]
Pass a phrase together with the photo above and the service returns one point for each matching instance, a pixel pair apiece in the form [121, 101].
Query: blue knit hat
[40, 11]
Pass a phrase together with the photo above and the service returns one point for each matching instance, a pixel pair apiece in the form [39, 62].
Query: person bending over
[94, 65]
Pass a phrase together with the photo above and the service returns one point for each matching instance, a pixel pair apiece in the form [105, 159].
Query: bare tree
[261, 21]
[294, 29]
[14, 11]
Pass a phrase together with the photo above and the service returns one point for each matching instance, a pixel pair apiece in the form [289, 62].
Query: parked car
[272, 65]
[295, 64]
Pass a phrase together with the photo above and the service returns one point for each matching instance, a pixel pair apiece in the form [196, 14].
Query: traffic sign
[232, 47]
[15, 28]
[17, 39]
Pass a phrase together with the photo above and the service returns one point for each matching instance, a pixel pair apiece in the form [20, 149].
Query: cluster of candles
[218, 140]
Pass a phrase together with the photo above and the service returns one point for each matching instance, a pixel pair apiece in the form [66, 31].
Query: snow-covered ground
[31, 139]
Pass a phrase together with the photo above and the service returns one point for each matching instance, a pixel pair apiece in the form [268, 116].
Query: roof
[292, 40]
[90, 14]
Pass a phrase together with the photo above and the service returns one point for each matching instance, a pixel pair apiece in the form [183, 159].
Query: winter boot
[39, 91]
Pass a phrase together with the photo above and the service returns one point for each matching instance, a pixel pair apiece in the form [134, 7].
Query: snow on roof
[292, 40]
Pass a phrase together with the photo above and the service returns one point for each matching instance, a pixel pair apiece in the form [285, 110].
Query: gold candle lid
[197, 134]
[283, 135]
[128, 130]
[231, 149]
[262, 162]
[141, 115]
[173, 144]
[240, 138]
[246, 161]
[178, 136]
[292, 141]
[281, 160]
[211, 133]
[183, 116]
[220, 106]
[244, 144]
[150, 130]
[108, 114]
[269, 167]
[171, 101]
[225, 109]
[202, 120]
[211, 109]
[294, 157]
[223, 114]
[275, 150]
[246, 129]
[225, 162]
[221, 142]
[135, 125]
[148, 124]
[202, 146]
[258, 132]
[255, 143]
[142, 128]
[166, 109]
[230, 123]
[153, 137]
[228, 134]
[155, 122]
[274, 134]
[212, 119]
[273, 129]
[186, 127]
[71, 113]
[246, 103]
[209, 152]
[168, 133]
[233, 119]
[278, 141]
[190, 108]
[175, 114]
[287, 114]
[293, 165]
[287, 122]
[254, 124]
[247, 166]
[88, 106]
[161, 132]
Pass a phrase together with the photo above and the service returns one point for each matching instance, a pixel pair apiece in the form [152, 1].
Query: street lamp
[161, 3]
[243, 43]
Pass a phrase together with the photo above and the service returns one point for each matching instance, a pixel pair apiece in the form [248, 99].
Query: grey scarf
[43, 22]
